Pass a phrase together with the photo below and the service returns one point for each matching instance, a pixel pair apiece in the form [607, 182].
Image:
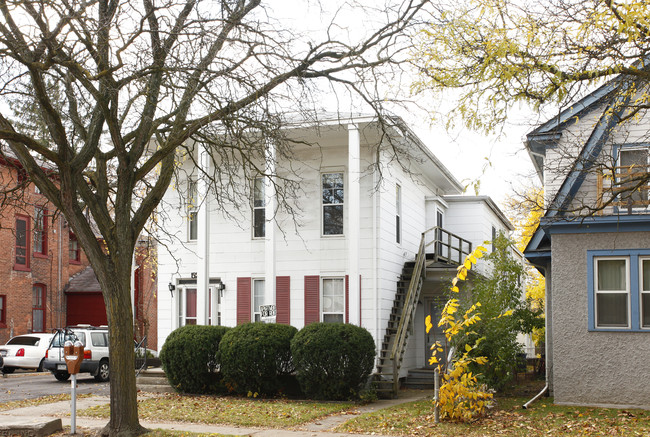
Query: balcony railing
[443, 246]
[624, 187]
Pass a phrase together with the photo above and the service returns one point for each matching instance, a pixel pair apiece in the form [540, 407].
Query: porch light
[172, 287]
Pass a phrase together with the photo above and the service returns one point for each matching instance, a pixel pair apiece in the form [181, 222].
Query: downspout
[375, 262]
[548, 333]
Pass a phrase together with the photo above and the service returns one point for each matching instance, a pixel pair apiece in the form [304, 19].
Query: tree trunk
[124, 410]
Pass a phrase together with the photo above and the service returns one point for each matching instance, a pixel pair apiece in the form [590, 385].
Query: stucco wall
[608, 368]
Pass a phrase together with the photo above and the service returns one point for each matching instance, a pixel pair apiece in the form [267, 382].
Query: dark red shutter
[282, 300]
[243, 300]
[347, 299]
[312, 298]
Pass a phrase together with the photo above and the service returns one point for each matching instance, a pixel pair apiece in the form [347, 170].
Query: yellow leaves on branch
[461, 397]
[462, 270]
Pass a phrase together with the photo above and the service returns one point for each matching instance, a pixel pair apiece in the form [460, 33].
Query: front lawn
[508, 418]
[228, 410]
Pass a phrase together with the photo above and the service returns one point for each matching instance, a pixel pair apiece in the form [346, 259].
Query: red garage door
[86, 308]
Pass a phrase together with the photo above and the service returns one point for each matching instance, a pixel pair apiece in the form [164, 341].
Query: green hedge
[256, 358]
[189, 358]
[333, 360]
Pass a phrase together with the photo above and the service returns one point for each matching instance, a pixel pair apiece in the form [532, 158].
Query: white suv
[95, 342]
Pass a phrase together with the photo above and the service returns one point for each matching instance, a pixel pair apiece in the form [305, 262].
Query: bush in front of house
[189, 358]
[333, 360]
[256, 358]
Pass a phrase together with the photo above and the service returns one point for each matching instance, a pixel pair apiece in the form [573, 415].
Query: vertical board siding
[312, 299]
[243, 300]
[283, 299]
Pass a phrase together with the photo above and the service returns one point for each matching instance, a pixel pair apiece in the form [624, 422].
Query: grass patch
[507, 419]
[12, 405]
[228, 410]
[153, 433]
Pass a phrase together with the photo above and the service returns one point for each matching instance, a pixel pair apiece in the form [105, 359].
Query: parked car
[95, 342]
[25, 352]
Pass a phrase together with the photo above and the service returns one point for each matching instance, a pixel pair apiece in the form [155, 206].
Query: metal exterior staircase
[445, 248]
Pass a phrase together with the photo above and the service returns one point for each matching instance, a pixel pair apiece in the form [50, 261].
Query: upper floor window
[192, 218]
[398, 213]
[332, 203]
[3, 311]
[631, 171]
[333, 310]
[259, 209]
[74, 255]
[40, 231]
[21, 259]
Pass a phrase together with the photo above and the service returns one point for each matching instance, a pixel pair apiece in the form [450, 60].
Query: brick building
[47, 279]
[38, 256]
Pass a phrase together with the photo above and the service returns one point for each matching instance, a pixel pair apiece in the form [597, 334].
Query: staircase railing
[449, 248]
[412, 296]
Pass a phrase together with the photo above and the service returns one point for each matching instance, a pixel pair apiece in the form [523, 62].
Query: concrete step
[154, 381]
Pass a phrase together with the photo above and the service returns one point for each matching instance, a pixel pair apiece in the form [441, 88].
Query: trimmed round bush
[333, 360]
[256, 358]
[189, 358]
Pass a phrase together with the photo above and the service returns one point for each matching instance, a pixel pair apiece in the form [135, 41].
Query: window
[21, 260]
[645, 292]
[398, 213]
[259, 209]
[619, 289]
[3, 311]
[192, 218]
[632, 165]
[40, 231]
[494, 238]
[612, 288]
[99, 339]
[38, 308]
[258, 298]
[333, 300]
[332, 203]
[74, 255]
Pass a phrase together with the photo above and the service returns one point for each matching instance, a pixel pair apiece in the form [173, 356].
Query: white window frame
[398, 213]
[192, 210]
[642, 292]
[262, 207]
[323, 205]
[633, 148]
[323, 313]
[256, 316]
[627, 290]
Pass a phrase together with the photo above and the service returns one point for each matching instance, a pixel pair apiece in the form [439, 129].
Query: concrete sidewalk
[45, 419]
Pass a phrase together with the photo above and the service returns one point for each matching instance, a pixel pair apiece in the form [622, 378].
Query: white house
[347, 255]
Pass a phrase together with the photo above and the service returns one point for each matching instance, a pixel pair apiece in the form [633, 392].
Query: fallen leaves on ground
[228, 410]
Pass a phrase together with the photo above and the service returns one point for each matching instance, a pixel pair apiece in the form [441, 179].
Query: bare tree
[142, 80]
